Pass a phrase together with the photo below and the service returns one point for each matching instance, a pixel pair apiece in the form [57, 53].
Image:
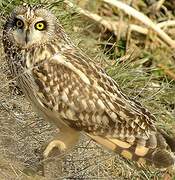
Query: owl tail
[169, 140]
[161, 156]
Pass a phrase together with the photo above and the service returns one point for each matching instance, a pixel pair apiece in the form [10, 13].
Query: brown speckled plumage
[68, 88]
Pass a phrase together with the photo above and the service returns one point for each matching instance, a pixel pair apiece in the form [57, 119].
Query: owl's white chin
[24, 44]
[26, 40]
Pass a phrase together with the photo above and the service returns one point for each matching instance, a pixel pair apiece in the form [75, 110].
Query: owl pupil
[40, 26]
[19, 23]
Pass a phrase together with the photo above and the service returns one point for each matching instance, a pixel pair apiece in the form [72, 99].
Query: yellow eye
[40, 26]
[19, 23]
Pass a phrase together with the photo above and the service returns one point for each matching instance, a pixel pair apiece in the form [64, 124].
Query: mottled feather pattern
[110, 120]
[67, 87]
[98, 95]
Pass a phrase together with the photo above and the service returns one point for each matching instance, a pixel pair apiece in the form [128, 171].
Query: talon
[54, 144]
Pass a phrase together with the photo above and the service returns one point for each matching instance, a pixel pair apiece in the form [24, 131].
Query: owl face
[29, 26]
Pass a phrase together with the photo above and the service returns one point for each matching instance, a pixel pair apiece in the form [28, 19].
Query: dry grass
[23, 132]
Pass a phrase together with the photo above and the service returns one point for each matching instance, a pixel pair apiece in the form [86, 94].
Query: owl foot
[60, 145]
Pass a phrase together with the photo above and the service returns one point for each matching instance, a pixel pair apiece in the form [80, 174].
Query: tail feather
[169, 140]
[158, 156]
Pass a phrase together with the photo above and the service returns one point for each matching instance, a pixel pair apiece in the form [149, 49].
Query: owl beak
[27, 36]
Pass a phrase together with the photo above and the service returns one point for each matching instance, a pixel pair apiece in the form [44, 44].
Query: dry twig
[143, 18]
[166, 23]
[110, 25]
[113, 25]
[159, 4]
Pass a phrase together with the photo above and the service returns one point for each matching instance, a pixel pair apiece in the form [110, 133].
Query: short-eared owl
[68, 88]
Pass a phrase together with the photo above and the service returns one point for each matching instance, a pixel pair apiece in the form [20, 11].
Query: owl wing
[89, 100]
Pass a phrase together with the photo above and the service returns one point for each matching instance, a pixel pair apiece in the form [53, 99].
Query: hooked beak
[27, 36]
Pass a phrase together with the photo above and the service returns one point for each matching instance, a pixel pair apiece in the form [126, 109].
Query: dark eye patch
[18, 23]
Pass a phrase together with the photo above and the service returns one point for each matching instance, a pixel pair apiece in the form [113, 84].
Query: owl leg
[62, 142]
[66, 139]
[60, 145]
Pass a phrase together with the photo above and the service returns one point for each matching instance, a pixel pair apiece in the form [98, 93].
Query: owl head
[29, 26]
